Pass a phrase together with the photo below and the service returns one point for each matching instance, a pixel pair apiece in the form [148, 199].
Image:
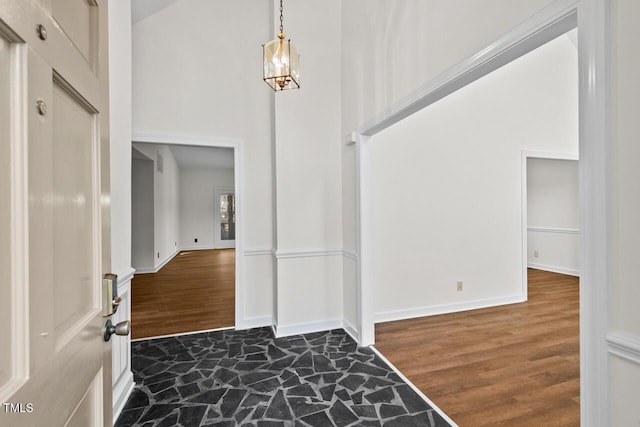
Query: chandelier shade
[281, 65]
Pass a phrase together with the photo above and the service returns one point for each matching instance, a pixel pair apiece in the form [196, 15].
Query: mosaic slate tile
[251, 379]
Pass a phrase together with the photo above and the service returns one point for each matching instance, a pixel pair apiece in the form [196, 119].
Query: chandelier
[281, 62]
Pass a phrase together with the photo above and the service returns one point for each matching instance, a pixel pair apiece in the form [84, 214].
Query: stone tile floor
[250, 378]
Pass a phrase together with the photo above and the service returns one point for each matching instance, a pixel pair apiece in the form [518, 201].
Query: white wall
[197, 205]
[166, 206]
[447, 195]
[308, 179]
[553, 215]
[392, 47]
[142, 218]
[181, 89]
[120, 160]
[624, 294]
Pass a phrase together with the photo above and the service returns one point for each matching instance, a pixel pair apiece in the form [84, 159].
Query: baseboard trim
[624, 345]
[121, 392]
[391, 316]
[413, 386]
[350, 329]
[554, 269]
[306, 328]
[159, 266]
[254, 322]
[198, 248]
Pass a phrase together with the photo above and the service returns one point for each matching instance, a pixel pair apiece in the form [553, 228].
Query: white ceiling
[140, 9]
[189, 157]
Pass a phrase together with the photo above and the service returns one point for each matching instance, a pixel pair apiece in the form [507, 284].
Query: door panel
[41, 207]
[78, 20]
[54, 167]
[74, 146]
[85, 414]
[6, 325]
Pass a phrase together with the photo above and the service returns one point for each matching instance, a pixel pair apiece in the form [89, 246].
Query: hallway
[195, 291]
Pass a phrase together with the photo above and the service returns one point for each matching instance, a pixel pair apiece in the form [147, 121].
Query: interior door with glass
[225, 218]
[55, 367]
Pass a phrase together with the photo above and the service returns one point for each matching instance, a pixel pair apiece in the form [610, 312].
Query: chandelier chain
[281, 19]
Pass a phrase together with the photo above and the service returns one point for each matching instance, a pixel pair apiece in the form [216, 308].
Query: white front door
[224, 218]
[55, 368]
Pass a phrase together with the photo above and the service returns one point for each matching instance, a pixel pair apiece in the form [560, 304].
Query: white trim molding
[259, 252]
[553, 230]
[121, 392]
[350, 329]
[433, 310]
[624, 345]
[126, 276]
[306, 328]
[199, 248]
[554, 269]
[350, 254]
[256, 322]
[307, 254]
[185, 140]
[157, 268]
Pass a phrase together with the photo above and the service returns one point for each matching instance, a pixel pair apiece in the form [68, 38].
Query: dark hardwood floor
[514, 365]
[194, 291]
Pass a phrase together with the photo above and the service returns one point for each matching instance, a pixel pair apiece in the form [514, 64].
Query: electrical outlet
[195, 240]
[460, 286]
[535, 254]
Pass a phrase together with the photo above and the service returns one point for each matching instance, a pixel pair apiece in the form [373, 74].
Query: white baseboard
[624, 345]
[555, 269]
[255, 322]
[350, 329]
[145, 270]
[121, 392]
[159, 266]
[198, 248]
[306, 328]
[410, 313]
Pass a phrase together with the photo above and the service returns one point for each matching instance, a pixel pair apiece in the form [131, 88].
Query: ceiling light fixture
[281, 62]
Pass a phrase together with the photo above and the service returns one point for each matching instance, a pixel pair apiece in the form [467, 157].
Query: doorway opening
[551, 212]
[460, 244]
[224, 217]
[186, 214]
